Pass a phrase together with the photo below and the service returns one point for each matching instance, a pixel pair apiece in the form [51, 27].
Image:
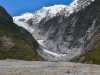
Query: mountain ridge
[51, 11]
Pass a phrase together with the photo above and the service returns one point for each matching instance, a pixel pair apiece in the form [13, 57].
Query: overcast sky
[17, 7]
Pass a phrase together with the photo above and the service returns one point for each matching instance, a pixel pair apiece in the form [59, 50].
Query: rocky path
[18, 67]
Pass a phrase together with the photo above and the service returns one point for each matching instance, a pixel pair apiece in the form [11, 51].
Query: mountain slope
[64, 35]
[16, 42]
[90, 16]
[78, 32]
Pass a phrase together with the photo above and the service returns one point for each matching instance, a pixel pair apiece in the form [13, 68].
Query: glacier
[30, 21]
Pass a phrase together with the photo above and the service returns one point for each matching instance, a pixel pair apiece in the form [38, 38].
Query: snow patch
[24, 25]
[41, 42]
[54, 54]
[24, 17]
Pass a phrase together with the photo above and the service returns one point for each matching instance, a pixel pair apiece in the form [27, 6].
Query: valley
[54, 40]
[60, 30]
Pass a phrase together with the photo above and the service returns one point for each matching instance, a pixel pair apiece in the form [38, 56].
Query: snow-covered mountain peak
[75, 6]
[54, 9]
[24, 17]
[50, 11]
[80, 3]
[77, 2]
[58, 7]
[27, 13]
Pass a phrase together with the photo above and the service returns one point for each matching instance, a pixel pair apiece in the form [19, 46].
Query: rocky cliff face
[79, 33]
[69, 33]
[7, 43]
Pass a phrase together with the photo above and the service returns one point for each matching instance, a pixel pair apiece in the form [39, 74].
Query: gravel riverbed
[19, 67]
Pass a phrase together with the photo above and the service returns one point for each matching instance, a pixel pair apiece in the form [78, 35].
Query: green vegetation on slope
[93, 57]
[24, 45]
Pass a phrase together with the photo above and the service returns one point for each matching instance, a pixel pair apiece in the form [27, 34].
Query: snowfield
[19, 67]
